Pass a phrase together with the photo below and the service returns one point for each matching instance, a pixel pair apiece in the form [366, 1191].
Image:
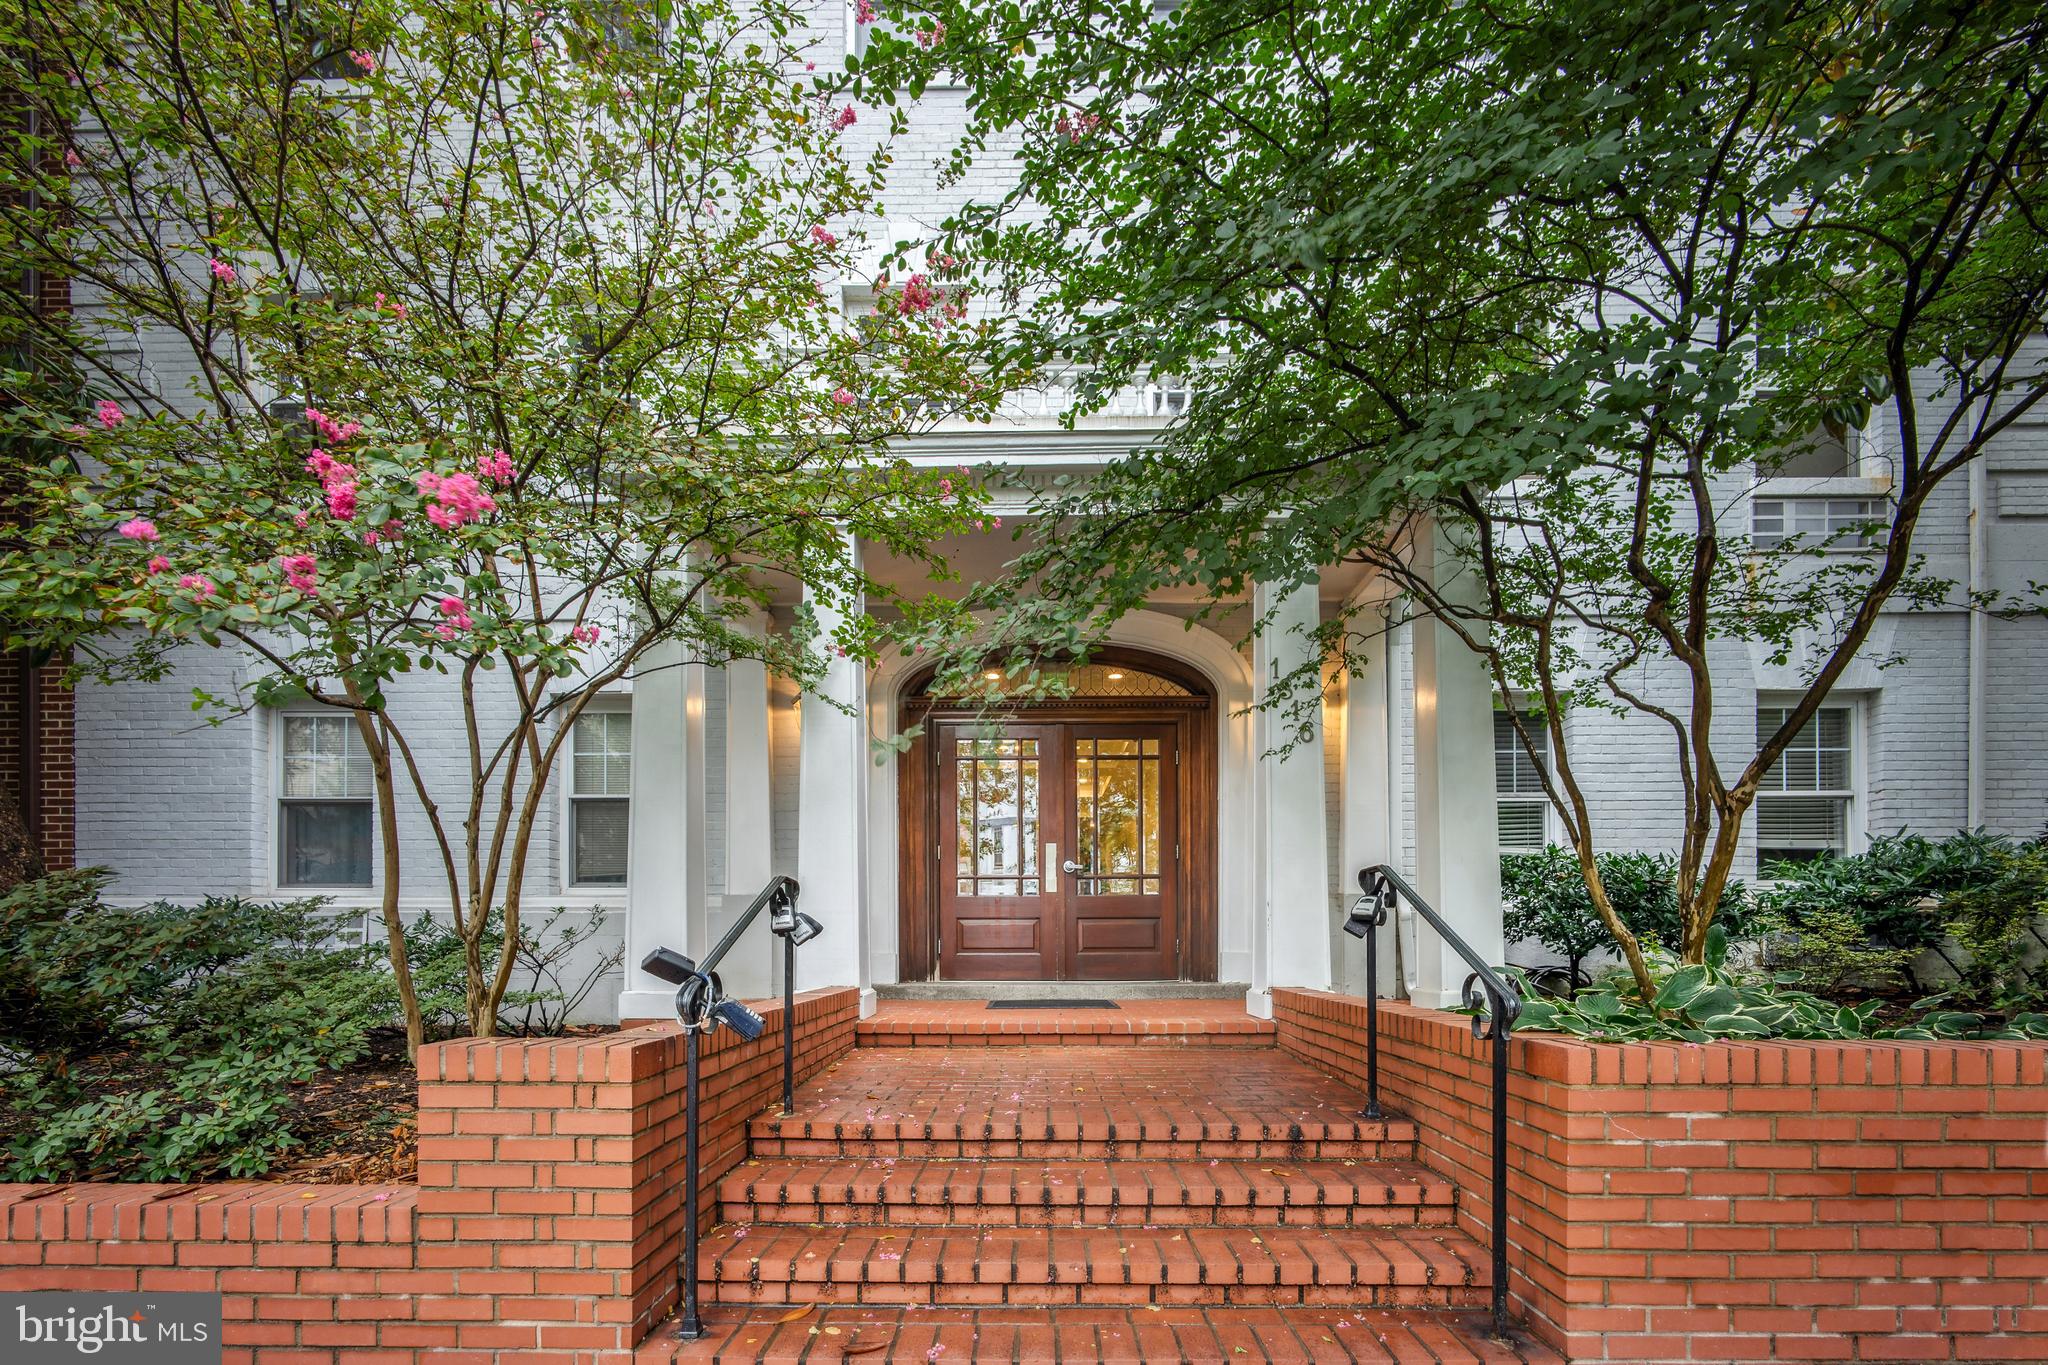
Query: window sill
[1854, 486]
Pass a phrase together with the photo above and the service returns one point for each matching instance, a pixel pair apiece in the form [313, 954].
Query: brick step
[1070, 1193]
[1067, 1103]
[1134, 1023]
[1166, 1141]
[1346, 1267]
[1115, 1336]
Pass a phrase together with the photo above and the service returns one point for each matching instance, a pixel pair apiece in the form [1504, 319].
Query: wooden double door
[1058, 851]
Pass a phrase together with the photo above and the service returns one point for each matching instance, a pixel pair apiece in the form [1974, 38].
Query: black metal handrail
[702, 1006]
[1494, 1017]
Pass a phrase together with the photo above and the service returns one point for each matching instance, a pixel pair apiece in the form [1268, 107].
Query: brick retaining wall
[545, 1225]
[1736, 1201]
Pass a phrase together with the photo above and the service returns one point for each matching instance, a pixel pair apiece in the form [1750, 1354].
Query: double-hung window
[600, 797]
[1802, 807]
[1518, 781]
[324, 803]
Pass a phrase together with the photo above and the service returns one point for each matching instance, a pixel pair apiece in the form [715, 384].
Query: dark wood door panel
[999, 916]
[1122, 908]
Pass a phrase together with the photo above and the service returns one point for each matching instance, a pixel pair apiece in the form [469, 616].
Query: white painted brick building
[179, 805]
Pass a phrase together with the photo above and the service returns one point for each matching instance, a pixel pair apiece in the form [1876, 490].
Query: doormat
[1054, 1005]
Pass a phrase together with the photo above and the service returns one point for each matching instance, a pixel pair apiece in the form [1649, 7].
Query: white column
[1457, 837]
[665, 861]
[749, 833]
[1294, 878]
[1368, 828]
[832, 806]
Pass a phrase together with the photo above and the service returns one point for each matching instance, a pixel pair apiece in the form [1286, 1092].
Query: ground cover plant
[230, 1037]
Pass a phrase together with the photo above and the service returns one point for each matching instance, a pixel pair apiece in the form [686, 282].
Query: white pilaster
[1368, 826]
[749, 832]
[1457, 837]
[665, 860]
[832, 809]
[1294, 878]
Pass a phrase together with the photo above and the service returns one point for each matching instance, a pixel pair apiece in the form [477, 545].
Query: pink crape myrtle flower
[584, 635]
[497, 467]
[72, 160]
[456, 617]
[137, 528]
[458, 498]
[366, 62]
[331, 431]
[372, 539]
[1074, 128]
[822, 237]
[844, 119]
[157, 564]
[110, 414]
[337, 481]
[222, 271]
[931, 37]
[301, 572]
[196, 583]
[302, 518]
[917, 296]
[864, 12]
[843, 397]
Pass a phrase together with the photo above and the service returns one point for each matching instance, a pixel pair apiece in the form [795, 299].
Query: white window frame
[1850, 794]
[566, 764]
[1839, 512]
[274, 851]
[856, 44]
[1541, 800]
[1868, 482]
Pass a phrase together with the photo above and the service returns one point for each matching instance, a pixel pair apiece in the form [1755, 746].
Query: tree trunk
[394, 926]
[19, 860]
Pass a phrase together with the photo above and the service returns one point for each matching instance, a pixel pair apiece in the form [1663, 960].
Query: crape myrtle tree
[479, 340]
[1537, 288]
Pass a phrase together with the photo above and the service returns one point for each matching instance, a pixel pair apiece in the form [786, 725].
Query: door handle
[1072, 868]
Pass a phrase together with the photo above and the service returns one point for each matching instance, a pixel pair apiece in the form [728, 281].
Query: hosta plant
[1702, 1002]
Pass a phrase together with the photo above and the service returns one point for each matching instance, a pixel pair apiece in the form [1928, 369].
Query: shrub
[541, 993]
[1857, 921]
[214, 1010]
[1993, 920]
[1547, 900]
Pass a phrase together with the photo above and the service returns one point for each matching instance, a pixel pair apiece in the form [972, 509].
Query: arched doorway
[1070, 839]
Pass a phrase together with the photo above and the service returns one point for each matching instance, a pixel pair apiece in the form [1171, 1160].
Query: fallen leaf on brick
[793, 1314]
[865, 1348]
[831, 1331]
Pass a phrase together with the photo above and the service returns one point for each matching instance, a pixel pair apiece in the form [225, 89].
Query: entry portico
[1146, 827]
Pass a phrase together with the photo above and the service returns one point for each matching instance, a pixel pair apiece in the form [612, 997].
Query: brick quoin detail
[49, 762]
[544, 1229]
[1785, 1201]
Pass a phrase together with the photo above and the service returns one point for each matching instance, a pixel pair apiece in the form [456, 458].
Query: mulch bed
[357, 1125]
